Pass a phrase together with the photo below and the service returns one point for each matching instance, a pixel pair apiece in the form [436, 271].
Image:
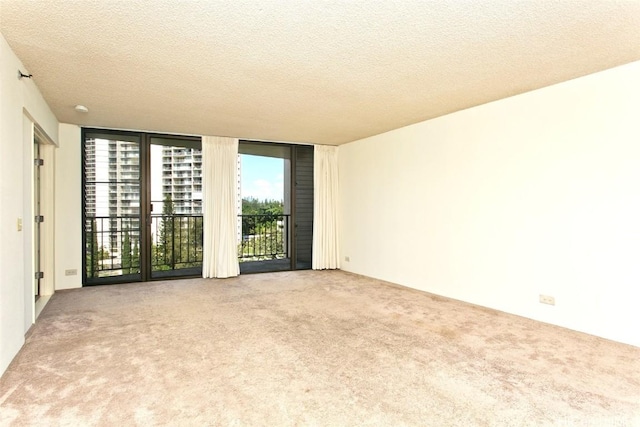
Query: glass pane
[111, 160]
[176, 207]
[264, 220]
[112, 207]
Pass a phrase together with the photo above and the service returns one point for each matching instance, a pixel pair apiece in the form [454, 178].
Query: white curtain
[219, 199]
[325, 208]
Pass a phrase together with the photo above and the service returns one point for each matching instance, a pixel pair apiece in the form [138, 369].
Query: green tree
[135, 261]
[258, 214]
[103, 253]
[193, 239]
[126, 253]
[93, 252]
[166, 235]
[262, 229]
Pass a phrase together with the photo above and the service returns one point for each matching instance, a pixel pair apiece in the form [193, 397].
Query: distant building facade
[182, 179]
[114, 197]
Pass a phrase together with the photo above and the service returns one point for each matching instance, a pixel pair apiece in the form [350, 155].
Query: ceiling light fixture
[81, 109]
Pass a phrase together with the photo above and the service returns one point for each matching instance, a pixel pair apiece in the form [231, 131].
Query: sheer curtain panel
[219, 199]
[325, 208]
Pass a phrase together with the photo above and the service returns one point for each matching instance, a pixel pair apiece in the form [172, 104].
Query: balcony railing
[113, 242]
[112, 246]
[263, 237]
[176, 242]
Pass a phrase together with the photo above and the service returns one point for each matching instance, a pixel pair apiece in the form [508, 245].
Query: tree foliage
[135, 260]
[126, 252]
[166, 236]
[259, 214]
[93, 252]
[263, 234]
[179, 240]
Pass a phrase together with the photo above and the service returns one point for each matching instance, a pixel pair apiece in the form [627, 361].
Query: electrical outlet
[71, 272]
[546, 299]
[347, 259]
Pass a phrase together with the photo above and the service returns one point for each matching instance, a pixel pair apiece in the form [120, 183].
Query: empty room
[383, 213]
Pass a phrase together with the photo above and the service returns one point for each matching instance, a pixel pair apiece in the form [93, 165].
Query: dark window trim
[145, 200]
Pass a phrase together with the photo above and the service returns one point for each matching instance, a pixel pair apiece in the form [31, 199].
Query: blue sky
[262, 177]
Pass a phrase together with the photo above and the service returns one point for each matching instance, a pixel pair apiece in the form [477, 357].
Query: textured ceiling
[325, 72]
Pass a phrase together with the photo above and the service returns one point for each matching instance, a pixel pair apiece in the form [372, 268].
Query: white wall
[68, 205]
[494, 205]
[18, 99]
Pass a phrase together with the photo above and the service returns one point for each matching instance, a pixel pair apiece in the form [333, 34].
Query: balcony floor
[248, 267]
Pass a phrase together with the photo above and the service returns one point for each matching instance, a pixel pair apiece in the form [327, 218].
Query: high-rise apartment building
[112, 171]
[112, 191]
[182, 179]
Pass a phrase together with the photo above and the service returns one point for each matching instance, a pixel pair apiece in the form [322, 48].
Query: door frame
[31, 132]
[144, 139]
[292, 189]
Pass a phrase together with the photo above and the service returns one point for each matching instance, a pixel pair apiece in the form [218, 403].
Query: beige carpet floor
[307, 348]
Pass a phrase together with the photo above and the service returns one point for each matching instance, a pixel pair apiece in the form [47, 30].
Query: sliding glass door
[112, 190]
[275, 226]
[264, 214]
[142, 206]
[176, 207]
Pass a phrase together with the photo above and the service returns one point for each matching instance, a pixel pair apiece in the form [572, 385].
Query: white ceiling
[316, 71]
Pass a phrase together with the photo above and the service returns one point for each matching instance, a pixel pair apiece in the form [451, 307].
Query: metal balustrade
[113, 245]
[263, 237]
[176, 241]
